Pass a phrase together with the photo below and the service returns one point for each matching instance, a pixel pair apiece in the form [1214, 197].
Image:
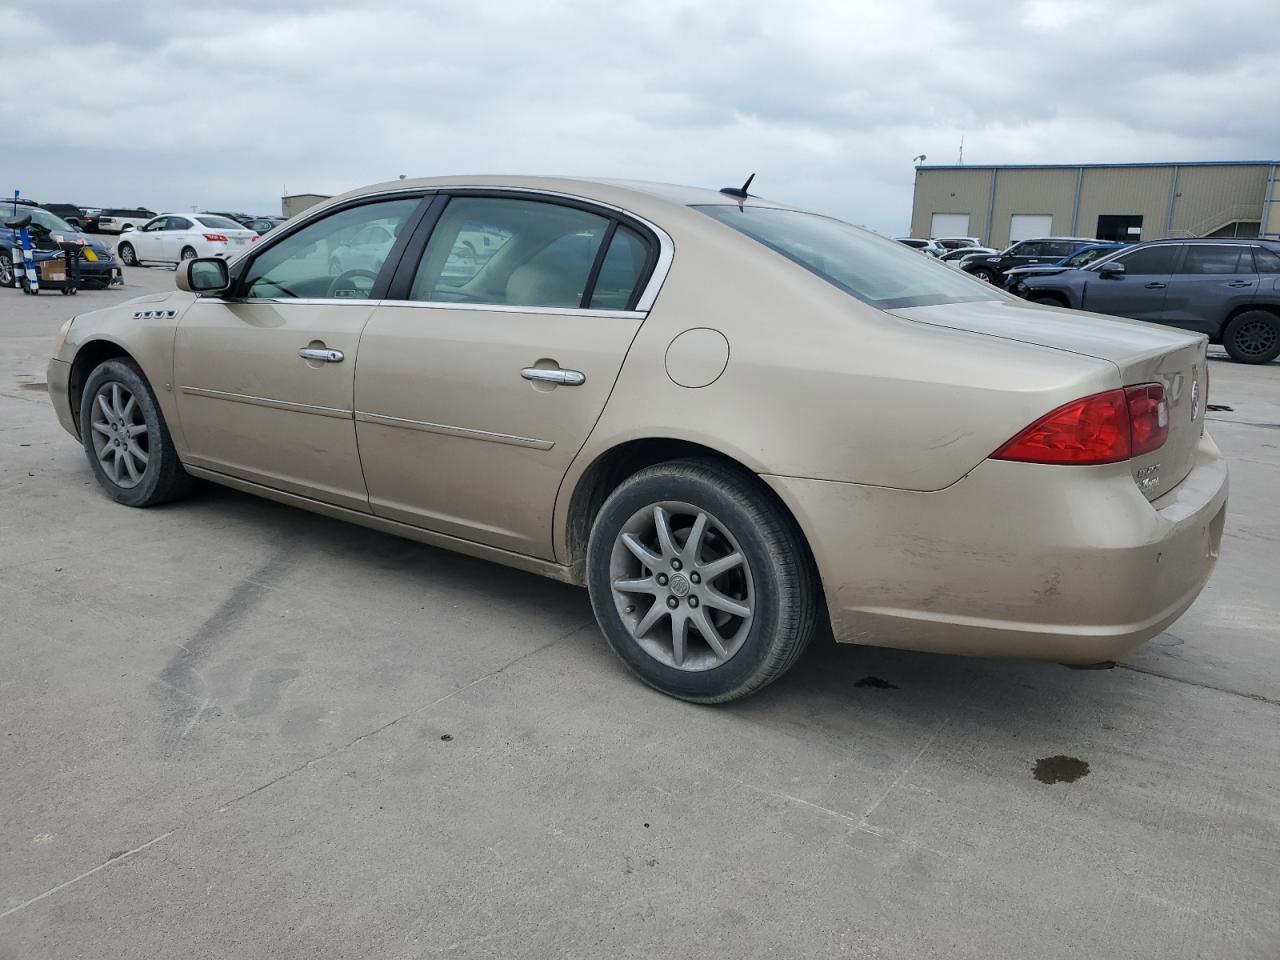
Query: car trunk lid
[1142, 353]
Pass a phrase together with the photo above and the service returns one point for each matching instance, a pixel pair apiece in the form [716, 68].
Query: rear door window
[1214, 259]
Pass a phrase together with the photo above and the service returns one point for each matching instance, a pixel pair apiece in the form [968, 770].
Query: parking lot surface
[229, 728]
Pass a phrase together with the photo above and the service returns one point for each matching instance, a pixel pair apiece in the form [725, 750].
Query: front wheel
[127, 256]
[6, 271]
[982, 273]
[126, 439]
[701, 583]
[1253, 337]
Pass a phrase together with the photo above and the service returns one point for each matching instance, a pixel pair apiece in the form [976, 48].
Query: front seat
[541, 285]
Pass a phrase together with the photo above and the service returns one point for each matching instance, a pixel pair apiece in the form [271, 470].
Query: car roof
[1211, 240]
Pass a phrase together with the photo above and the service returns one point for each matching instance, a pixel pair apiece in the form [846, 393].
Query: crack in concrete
[1203, 686]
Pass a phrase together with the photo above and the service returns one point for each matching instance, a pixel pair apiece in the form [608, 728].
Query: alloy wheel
[1256, 338]
[120, 437]
[682, 586]
[6, 272]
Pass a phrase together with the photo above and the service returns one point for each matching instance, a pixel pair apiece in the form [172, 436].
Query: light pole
[919, 160]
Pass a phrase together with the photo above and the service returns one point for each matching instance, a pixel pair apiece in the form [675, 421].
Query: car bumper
[1070, 564]
[59, 379]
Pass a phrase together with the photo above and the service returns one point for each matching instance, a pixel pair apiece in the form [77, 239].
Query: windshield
[40, 218]
[1085, 257]
[878, 271]
[222, 223]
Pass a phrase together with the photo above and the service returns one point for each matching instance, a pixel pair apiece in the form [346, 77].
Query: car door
[479, 384]
[1212, 280]
[148, 240]
[174, 237]
[1139, 290]
[264, 374]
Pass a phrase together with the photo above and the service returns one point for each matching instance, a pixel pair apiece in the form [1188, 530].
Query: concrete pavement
[233, 729]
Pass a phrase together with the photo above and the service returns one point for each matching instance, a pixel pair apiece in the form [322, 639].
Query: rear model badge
[1148, 477]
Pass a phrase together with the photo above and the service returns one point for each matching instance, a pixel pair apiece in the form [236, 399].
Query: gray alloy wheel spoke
[117, 405]
[128, 407]
[129, 465]
[666, 540]
[709, 634]
[656, 613]
[103, 429]
[137, 453]
[106, 408]
[673, 551]
[637, 585]
[136, 429]
[641, 552]
[115, 464]
[714, 598]
[718, 568]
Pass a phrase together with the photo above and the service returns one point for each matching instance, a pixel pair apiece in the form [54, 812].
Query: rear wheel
[1253, 337]
[700, 582]
[127, 256]
[6, 270]
[982, 273]
[126, 439]
[188, 253]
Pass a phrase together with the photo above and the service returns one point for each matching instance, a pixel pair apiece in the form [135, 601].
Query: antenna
[739, 192]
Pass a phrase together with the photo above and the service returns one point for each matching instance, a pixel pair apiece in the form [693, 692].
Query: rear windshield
[223, 223]
[876, 270]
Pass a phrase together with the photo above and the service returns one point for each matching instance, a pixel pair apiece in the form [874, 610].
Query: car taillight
[216, 237]
[254, 238]
[1103, 428]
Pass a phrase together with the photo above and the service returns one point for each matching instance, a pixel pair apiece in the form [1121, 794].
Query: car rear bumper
[1070, 564]
[58, 377]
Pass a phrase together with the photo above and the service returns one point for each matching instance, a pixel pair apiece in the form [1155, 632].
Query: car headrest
[19, 223]
[535, 286]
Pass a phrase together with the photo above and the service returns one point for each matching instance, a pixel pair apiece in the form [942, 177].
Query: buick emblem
[1195, 394]
[679, 585]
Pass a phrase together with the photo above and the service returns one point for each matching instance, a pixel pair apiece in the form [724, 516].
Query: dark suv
[1024, 253]
[1228, 289]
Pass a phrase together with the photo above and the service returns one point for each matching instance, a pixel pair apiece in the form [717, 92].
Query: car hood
[1087, 334]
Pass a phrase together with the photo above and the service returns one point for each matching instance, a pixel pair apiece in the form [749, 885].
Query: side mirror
[1111, 270]
[203, 275]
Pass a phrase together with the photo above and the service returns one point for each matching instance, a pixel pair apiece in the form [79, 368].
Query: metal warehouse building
[1123, 201]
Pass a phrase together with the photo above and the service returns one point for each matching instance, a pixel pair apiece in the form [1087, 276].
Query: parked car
[1226, 289]
[118, 220]
[1024, 253]
[98, 266]
[172, 237]
[607, 397]
[263, 225]
[68, 212]
[240, 218]
[957, 243]
[1014, 276]
[89, 219]
[958, 255]
[931, 247]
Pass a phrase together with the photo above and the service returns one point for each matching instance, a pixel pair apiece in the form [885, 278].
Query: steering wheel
[341, 282]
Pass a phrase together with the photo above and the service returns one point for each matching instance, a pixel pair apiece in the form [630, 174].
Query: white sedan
[172, 237]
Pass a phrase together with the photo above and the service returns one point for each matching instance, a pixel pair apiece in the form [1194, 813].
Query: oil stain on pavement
[1060, 769]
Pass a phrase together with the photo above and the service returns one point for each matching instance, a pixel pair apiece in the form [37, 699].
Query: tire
[127, 256]
[774, 581]
[123, 425]
[1252, 337]
[982, 273]
[7, 278]
[188, 253]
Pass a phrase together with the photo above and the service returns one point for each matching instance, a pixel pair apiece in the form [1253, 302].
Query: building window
[1124, 227]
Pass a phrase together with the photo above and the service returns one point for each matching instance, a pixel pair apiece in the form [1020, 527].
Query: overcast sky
[225, 104]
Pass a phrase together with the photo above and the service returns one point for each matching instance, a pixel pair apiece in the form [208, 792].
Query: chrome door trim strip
[336, 412]
[450, 431]
[513, 308]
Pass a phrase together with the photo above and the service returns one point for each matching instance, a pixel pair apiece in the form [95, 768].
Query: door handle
[1155, 285]
[566, 378]
[1240, 283]
[323, 354]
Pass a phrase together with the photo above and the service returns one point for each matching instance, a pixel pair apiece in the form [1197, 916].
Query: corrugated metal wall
[1133, 191]
[1048, 191]
[1210, 196]
[951, 191]
[1206, 197]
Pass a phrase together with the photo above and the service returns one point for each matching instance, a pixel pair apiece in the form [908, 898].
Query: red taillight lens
[216, 237]
[1104, 428]
[1092, 430]
[1148, 418]
[254, 238]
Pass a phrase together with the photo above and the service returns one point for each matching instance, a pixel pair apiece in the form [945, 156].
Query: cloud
[225, 104]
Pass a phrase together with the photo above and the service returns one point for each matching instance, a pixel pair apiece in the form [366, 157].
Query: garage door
[949, 225]
[1023, 226]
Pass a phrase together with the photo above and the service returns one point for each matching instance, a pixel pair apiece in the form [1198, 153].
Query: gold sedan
[732, 421]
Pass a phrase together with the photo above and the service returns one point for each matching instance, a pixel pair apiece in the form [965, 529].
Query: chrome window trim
[335, 412]
[516, 308]
[661, 267]
[450, 431]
